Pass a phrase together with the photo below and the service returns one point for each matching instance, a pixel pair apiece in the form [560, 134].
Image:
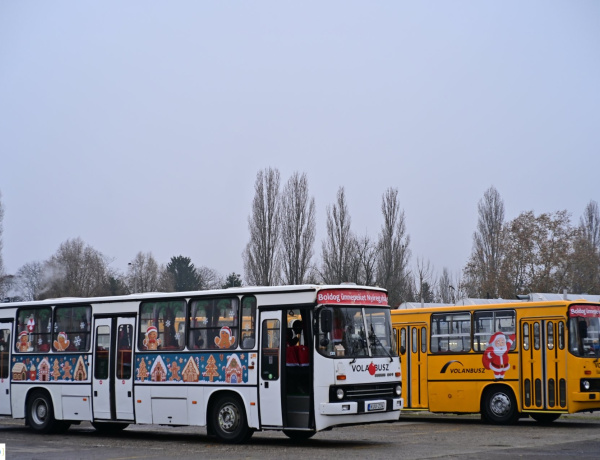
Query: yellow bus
[504, 359]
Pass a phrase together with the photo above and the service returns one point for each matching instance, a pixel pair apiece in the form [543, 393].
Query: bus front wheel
[500, 406]
[40, 414]
[228, 420]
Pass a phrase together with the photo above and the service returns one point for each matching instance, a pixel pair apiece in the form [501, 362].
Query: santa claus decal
[495, 357]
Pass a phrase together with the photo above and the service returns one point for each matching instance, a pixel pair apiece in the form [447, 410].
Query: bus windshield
[584, 328]
[354, 332]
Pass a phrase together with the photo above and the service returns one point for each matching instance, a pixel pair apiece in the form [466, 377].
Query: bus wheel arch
[499, 405]
[39, 413]
[227, 418]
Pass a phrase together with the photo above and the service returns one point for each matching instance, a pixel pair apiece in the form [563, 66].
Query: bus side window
[403, 340]
[4, 344]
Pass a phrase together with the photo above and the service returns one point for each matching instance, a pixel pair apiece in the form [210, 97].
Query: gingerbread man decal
[225, 339]
[152, 342]
[61, 343]
[23, 344]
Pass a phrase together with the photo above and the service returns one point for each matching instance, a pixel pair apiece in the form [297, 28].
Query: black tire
[228, 420]
[299, 435]
[544, 419]
[40, 414]
[499, 406]
[109, 427]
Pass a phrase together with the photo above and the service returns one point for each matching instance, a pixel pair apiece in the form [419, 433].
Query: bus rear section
[503, 361]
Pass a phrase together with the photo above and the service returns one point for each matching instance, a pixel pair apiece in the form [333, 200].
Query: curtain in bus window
[162, 325]
[34, 328]
[71, 331]
[214, 324]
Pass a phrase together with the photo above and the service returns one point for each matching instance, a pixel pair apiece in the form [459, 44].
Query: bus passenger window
[550, 335]
[4, 344]
[526, 336]
[248, 319]
[414, 342]
[403, 340]
[561, 335]
[536, 335]
[423, 340]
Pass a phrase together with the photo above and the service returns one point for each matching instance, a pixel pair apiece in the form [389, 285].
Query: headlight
[398, 390]
[585, 384]
[339, 393]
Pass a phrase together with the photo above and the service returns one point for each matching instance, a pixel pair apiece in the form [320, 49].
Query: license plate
[375, 406]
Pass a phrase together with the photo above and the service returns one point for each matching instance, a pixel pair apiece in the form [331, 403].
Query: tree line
[531, 253]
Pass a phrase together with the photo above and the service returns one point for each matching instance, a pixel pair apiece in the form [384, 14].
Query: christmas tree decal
[142, 372]
[211, 369]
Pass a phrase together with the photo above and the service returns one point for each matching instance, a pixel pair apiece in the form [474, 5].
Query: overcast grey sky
[141, 125]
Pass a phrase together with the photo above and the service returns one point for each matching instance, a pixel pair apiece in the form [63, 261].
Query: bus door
[112, 382]
[270, 368]
[5, 347]
[413, 355]
[543, 364]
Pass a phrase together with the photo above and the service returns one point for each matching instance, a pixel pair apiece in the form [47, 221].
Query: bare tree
[366, 253]
[261, 264]
[30, 280]
[423, 280]
[77, 270]
[209, 278]
[144, 274]
[483, 268]
[298, 229]
[393, 254]
[337, 247]
[590, 224]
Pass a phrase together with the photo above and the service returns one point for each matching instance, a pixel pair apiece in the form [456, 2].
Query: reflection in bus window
[450, 332]
[124, 346]
[536, 335]
[161, 325]
[102, 352]
[214, 324]
[247, 333]
[34, 328]
[403, 340]
[72, 326]
[487, 323]
[4, 349]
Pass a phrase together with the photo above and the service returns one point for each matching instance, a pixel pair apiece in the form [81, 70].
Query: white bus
[295, 358]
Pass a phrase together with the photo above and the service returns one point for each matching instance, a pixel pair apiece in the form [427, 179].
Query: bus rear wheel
[500, 406]
[228, 420]
[544, 419]
[40, 414]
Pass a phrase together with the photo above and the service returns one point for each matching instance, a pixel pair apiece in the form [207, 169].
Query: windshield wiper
[373, 336]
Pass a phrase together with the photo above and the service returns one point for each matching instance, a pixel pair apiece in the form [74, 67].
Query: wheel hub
[228, 418]
[500, 404]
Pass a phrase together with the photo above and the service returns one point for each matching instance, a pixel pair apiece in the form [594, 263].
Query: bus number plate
[375, 406]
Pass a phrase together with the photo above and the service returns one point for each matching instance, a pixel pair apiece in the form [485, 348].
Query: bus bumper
[587, 396]
[361, 407]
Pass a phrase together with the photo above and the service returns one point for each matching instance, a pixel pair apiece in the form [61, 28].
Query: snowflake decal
[55, 327]
[168, 323]
[177, 336]
[40, 341]
[77, 341]
[49, 326]
[82, 325]
[205, 322]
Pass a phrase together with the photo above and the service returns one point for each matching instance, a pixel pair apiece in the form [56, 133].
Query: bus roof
[164, 295]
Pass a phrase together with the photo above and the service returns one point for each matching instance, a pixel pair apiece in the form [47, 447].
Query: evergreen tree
[185, 276]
